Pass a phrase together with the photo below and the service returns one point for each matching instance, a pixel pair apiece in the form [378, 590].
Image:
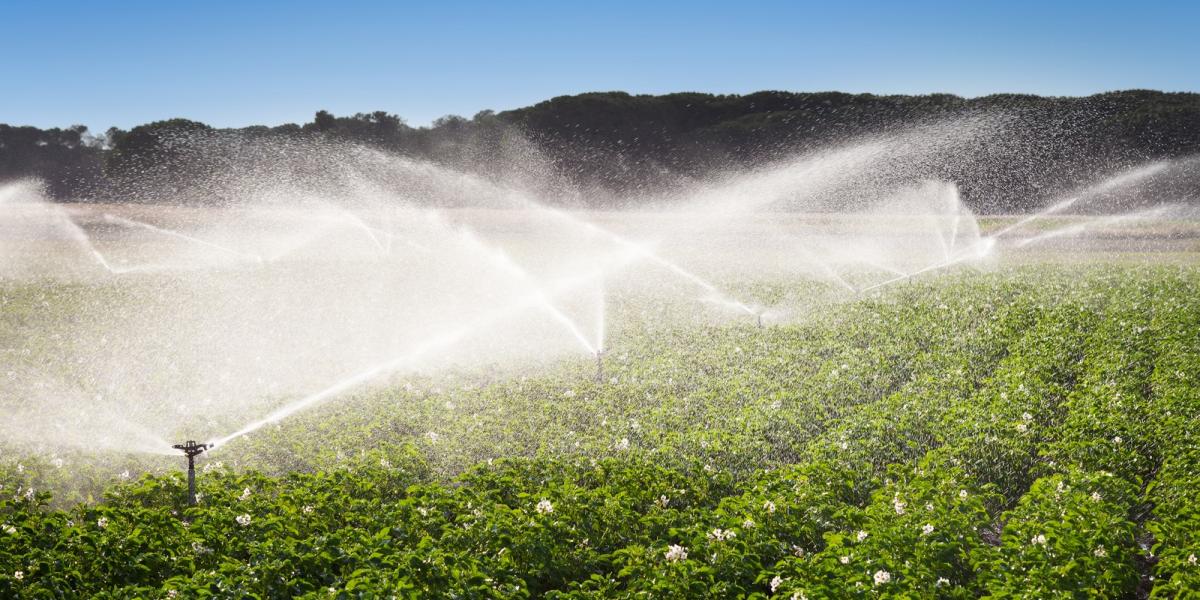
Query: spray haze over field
[654, 310]
[262, 278]
[839, 367]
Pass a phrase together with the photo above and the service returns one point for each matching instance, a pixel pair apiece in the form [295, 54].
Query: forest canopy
[619, 145]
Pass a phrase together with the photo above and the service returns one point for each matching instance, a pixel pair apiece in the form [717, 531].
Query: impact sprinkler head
[191, 449]
[600, 366]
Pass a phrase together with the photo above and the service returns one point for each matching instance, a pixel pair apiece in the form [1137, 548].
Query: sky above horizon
[232, 64]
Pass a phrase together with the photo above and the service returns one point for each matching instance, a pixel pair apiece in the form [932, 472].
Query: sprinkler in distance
[191, 449]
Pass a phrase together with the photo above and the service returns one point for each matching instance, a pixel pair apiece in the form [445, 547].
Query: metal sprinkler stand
[599, 366]
[191, 449]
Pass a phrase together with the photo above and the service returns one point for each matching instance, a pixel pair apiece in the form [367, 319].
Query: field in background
[1167, 238]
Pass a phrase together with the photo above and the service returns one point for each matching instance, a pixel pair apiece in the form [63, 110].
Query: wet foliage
[1024, 433]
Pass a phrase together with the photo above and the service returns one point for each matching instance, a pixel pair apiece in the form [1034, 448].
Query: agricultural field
[1027, 430]
[301, 302]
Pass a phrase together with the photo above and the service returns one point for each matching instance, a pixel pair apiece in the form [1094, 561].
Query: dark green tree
[324, 121]
[155, 147]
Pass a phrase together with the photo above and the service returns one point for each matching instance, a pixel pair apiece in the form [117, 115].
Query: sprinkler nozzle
[191, 449]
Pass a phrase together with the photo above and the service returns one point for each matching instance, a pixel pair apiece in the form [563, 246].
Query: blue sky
[105, 63]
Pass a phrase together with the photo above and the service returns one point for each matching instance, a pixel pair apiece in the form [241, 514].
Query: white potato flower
[676, 553]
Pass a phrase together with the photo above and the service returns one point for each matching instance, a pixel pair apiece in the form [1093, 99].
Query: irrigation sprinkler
[191, 449]
[599, 366]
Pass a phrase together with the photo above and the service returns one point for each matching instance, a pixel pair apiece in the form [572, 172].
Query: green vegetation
[1025, 433]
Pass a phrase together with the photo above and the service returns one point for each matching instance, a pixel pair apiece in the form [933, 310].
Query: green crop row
[1174, 491]
[1028, 433]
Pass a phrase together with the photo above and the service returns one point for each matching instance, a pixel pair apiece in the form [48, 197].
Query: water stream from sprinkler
[83, 239]
[1101, 222]
[519, 198]
[504, 261]
[954, 231]
[1046, 212]
[715, 295]
[1115, 182]
[980, 250]
[885, 268]
[393, 237]
[357, 222]
[432, 344]
[821, 265]
[500, 258]
[111, 218]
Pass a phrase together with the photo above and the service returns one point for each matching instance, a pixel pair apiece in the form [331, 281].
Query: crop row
[1019, 434]
[923, 530]
[1174, 491]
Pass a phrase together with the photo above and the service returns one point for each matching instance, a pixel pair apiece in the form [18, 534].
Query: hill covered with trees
[620, 146]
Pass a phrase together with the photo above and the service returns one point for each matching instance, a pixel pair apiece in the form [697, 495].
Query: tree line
[624, 145]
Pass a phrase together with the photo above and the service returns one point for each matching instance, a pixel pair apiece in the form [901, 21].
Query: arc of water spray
[80, 236]
[1081, 227]
[494, 255]
[986, 244]
[392, 237]
[825, 268]
[353, 381]
[1056, 208]
[296, 244]
[883, 267]
[502, 259]
[954, 231]
[100, 258]
[521, 199]
[715, 294]
[85, 241]
[357, 222]
[981, 249]
[945, 246]
[441, 341]
[111, 218]
[1110, 184]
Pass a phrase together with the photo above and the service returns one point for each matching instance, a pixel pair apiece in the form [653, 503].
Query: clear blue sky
[105, 63]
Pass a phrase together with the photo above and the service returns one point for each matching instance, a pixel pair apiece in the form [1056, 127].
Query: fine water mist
[285, 275]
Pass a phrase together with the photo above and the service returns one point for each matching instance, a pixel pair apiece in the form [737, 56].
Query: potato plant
[1024, 433]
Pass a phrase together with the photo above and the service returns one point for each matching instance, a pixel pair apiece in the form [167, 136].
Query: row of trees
[67, 160]
[620, 143]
